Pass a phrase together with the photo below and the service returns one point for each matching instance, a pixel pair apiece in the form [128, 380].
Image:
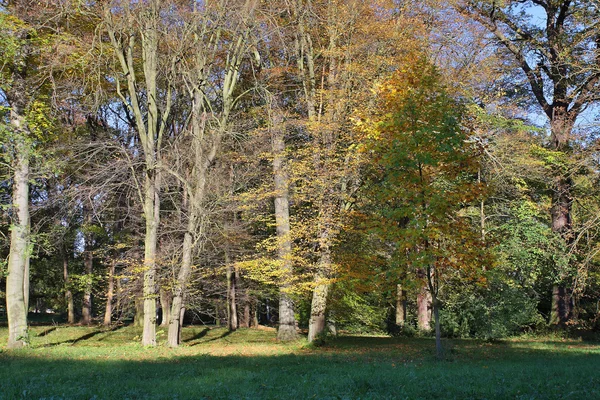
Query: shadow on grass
[197, 336]
[359, 373]
[223, 335]
[85, 337]
[45, 332]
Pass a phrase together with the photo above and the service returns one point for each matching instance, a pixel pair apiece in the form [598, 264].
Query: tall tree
[211, 108]
[138, 30]
[19, 79]
[556, 45]
[422, 176]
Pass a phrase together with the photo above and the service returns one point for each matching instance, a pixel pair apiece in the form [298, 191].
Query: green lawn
[96, 363]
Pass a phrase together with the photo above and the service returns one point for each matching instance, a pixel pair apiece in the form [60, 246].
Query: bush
[492, 312]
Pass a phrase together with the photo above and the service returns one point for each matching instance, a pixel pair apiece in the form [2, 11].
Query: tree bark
[88, 262]
[561, 128]
[245, 322]
[110, 293]
[166, 302]
[400, 306]
[318, 306]
[151, 213]
[232, 320]
[138, 319]
[424, 309]
[254, 320]
[176, 321]
[438, 334]
[317, 311]
[17, 281]
[287, 320]
[68, 293]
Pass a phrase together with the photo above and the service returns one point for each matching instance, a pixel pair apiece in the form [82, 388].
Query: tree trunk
[166, 301]
[439, 352]
[317, 321]
[151, 207]
[254, 322]
[17, 281]
[88, 261]
[110, 293]
[232, 321]
[176, 321]
[68, 293]
[245, 322]
[424, 309]
[561, 127]
[138, 320]
[287, 320]
[560, 310]
[400, 306]
[150, 125]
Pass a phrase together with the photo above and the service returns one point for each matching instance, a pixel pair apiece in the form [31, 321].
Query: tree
[211, 108]
[134, 30]
[422, 177]
[559, 58]
[26, 96]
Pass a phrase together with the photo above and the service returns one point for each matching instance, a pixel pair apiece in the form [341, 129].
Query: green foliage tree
[558, 59]
[421, 177]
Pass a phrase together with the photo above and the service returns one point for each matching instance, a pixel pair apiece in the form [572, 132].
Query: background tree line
[374, 164]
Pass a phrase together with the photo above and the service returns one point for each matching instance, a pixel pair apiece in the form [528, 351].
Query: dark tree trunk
[439, 352]
[561, 128]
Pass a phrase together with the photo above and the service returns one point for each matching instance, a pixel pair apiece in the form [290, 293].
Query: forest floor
[109, 363]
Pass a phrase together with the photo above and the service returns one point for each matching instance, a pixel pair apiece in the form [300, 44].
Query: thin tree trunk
[255, 314]
[481, 210]
[400, 306]
[438, 335]
[246, 316]
[88, 261]
[110, 294]
[68, 293]
[176, 321]
[287, 320]
[17, 281]
[232, 321]
[151, 212]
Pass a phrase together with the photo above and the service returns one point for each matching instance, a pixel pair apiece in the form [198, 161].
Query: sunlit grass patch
[107, 363]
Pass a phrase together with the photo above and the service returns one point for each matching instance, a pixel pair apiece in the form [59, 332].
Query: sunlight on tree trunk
[400, 306]
[17, 281]
[287, 320]
[110, 292]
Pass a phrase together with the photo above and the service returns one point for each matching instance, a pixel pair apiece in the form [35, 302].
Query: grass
[97, 363]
